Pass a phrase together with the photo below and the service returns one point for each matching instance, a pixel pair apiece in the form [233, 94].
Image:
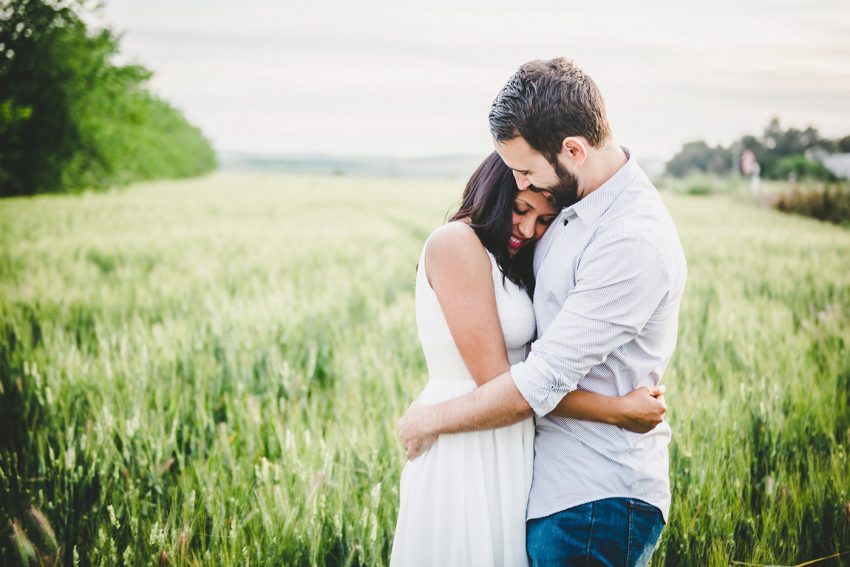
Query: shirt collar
[591, 207]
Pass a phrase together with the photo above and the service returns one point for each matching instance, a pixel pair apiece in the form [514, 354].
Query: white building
[838, 164]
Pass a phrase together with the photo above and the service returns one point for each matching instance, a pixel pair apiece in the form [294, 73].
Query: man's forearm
[589, 406]
[495, 404]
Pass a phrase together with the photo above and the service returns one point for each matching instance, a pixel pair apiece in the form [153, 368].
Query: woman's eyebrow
[526, 203]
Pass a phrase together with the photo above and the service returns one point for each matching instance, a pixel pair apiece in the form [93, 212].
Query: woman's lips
[515, 242]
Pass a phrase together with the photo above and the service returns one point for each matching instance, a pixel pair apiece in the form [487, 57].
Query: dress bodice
[516, 315]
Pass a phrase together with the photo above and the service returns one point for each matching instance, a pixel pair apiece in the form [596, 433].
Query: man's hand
[643, 409]
[413, 431]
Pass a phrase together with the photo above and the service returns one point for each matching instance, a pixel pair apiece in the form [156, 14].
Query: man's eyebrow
[512, 168]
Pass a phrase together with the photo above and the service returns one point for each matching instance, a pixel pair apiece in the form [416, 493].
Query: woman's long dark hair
[488, 203]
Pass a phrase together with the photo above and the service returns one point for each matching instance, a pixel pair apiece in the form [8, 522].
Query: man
[610, 276]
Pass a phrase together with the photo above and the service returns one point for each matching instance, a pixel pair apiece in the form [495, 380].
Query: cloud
[391, 78]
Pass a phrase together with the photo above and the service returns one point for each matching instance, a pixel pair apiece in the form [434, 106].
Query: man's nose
[522, 181]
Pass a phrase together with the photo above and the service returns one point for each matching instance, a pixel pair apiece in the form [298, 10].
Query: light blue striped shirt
[610, 276]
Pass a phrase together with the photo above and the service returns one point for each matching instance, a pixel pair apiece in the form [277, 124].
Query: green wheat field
[209, 372]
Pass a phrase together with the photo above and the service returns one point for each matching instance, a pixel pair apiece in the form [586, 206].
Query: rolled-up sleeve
[621, 280]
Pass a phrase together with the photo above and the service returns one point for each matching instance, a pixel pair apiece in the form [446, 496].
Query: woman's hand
[642, 409]
[413, 430]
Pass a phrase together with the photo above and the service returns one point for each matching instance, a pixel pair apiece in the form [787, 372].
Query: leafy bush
[831, 202]
[699, 189]
[799, 167]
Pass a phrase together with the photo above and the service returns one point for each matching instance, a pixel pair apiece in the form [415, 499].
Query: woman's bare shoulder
[454, 250]
[455, 239]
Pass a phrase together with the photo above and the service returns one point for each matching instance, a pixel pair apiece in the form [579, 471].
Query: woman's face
[532, 215]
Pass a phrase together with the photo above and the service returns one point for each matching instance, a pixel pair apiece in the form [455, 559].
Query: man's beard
[565, 191]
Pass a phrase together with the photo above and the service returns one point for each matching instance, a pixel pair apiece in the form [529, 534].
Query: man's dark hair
[547, 101]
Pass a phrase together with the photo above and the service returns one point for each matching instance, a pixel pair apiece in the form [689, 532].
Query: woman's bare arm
[460, 273]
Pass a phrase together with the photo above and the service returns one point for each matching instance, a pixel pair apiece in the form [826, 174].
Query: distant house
[838, 164]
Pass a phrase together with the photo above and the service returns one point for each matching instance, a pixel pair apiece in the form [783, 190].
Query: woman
[463, 501]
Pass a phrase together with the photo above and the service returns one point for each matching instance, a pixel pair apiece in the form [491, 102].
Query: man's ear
[574, 149]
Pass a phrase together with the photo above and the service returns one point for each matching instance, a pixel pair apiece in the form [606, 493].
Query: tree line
[781, 153]
[73, 119]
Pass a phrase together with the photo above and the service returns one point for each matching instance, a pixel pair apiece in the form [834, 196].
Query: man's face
[532, 170]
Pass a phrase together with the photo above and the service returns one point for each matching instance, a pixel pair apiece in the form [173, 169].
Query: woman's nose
[526, 228]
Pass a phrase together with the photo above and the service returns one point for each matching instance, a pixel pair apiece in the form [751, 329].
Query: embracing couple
[553, 292]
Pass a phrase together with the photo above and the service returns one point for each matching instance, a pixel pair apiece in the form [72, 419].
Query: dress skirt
[463, 501]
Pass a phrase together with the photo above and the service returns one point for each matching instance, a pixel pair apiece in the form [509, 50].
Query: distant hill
[437, 166]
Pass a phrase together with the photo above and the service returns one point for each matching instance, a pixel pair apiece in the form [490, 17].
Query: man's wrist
[617, 415]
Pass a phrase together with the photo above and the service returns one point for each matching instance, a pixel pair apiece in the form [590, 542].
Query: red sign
[749, 165]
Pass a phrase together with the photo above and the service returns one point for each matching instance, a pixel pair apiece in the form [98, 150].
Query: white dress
[463, 501]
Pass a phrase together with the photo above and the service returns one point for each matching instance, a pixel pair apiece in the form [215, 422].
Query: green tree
[700, 157]
[72, 119]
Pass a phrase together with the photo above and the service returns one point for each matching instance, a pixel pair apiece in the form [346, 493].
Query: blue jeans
[612, 532]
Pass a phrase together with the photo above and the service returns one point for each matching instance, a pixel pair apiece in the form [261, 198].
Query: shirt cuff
[535, 388]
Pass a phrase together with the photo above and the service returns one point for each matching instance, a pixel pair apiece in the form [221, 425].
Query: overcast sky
[355, 77]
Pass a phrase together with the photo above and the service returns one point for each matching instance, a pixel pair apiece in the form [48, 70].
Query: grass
[209, 372]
